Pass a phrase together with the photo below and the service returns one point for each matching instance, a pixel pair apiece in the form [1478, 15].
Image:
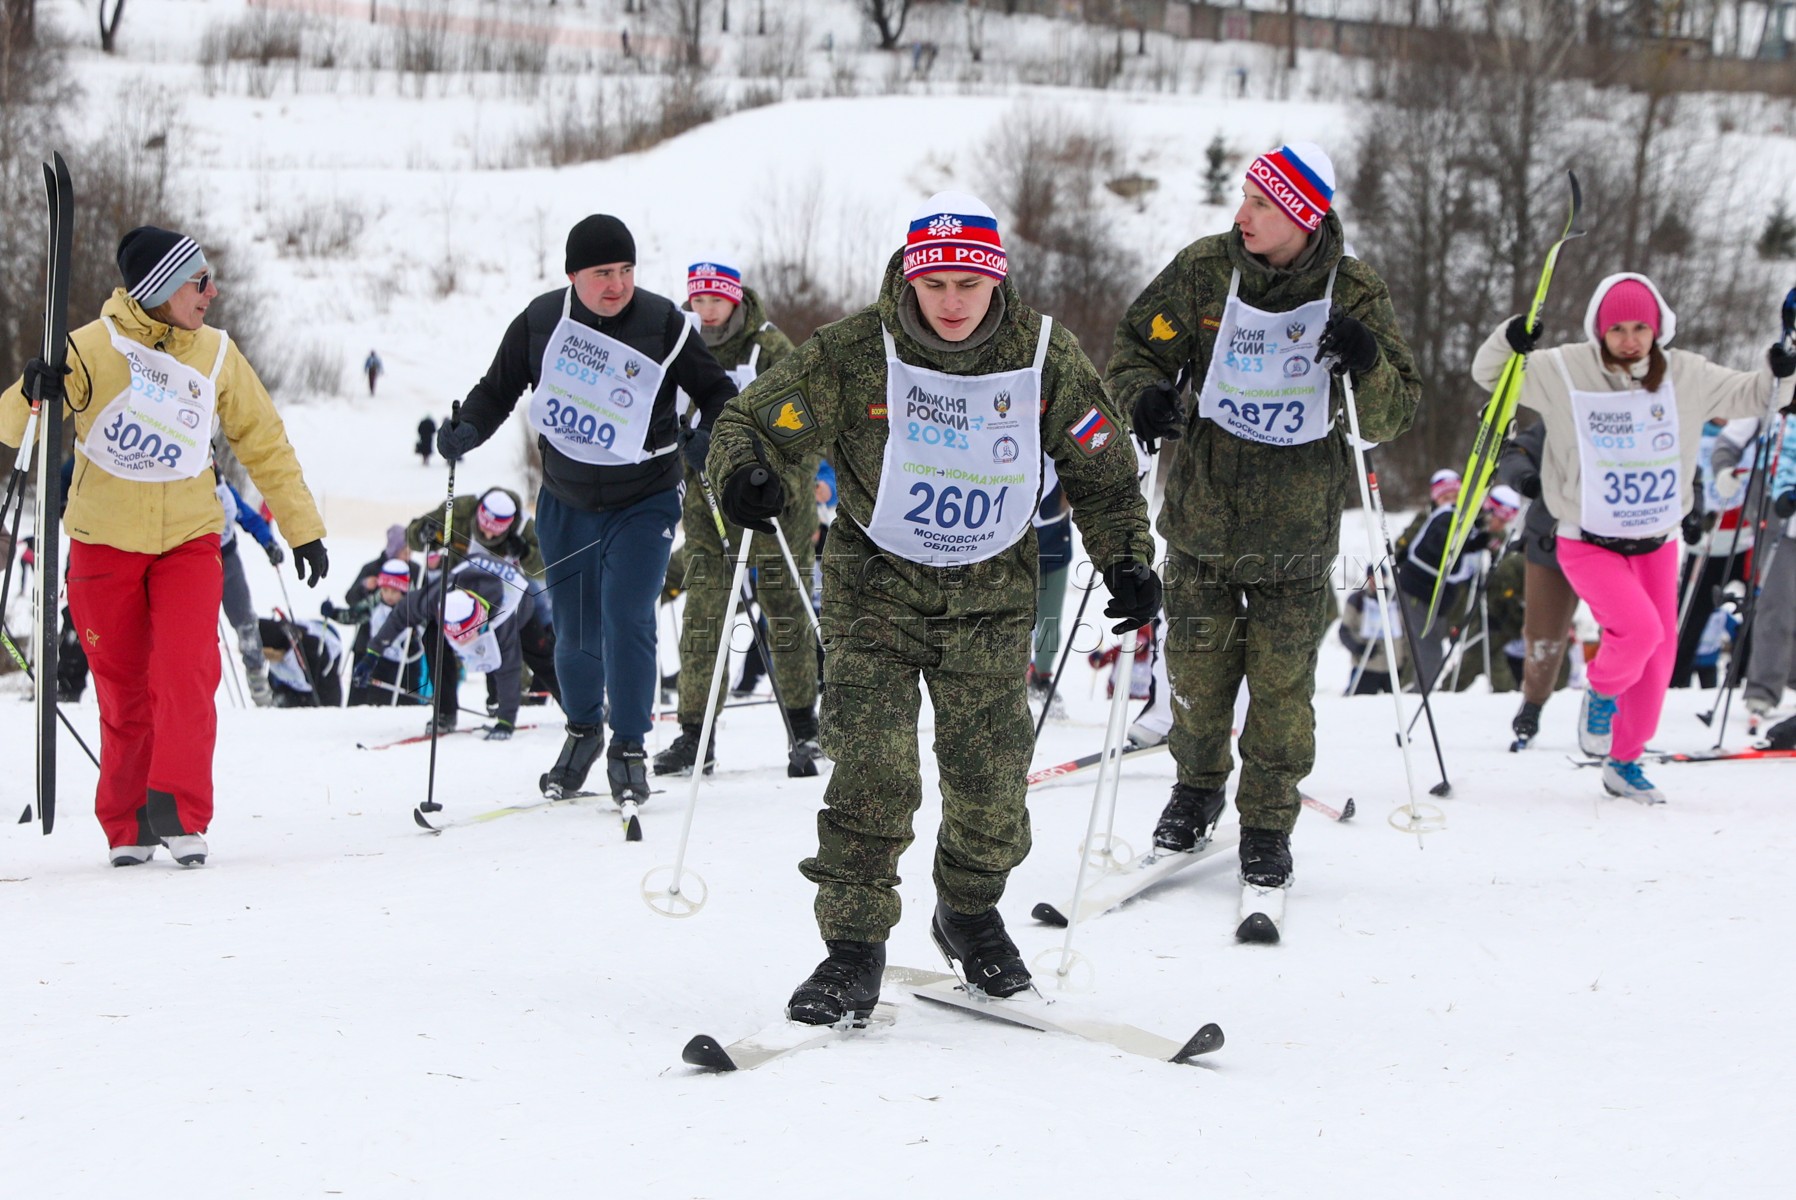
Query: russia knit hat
[1443, 486]
[496, 512]
[714, 278]
[156, 262]
[1503, 502]
[1629, 297]
[1299, 178]
[598, 240]
[463, 615]
[952, 231]
[395, 574]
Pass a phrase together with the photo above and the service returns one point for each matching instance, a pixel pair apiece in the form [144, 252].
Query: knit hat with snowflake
[952, 231]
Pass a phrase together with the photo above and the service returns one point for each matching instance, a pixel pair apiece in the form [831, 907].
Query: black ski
[59, 195]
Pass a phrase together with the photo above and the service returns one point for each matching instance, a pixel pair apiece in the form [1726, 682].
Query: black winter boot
[988, 958]
[1527, 721]
[678, 758]
[1188, 818]
[1266, 858]
[844, 986]
[801, 761]
[568, 775]
[627, 766]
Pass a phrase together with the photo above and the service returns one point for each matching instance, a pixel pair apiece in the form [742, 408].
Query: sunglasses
[201, 282]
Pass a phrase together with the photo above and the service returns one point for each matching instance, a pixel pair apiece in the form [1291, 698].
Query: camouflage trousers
[1223, 631]
[784, 601]
[973, 665]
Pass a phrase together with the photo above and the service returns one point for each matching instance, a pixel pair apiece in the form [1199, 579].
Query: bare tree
[21, 23]
[888, 16]
[688, 17]
[109, 26]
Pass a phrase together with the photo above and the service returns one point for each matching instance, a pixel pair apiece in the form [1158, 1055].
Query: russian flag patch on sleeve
[1092, 432]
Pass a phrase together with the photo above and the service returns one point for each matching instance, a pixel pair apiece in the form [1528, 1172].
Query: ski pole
[430, 786]
[672, 901]
[18, 659]
[1761, 565]
[1417, 821]
[801, 586]
[1066, 650]
[1697, 564]
[405, 657]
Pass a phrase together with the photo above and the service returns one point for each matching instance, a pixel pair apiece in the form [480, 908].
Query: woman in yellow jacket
[147, 384]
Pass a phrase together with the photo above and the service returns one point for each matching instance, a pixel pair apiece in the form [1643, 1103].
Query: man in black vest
[602, 362]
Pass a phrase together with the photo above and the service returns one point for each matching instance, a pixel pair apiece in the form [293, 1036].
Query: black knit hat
[274, 634]
[597, 240]
[156, 262]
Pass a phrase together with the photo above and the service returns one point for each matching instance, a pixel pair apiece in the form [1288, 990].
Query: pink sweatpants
[1635, 600]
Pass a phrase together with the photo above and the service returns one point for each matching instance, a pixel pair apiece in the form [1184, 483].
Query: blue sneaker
[1627, 779]
[1596, 720]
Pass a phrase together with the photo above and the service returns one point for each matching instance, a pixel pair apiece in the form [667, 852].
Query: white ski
[1033, 1011]
[1125, 883]
[1262, 914]
[775, 1041]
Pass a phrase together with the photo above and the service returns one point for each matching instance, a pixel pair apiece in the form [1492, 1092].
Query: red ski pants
[149, 624]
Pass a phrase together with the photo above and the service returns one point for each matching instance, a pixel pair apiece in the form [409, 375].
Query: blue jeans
[605, 571]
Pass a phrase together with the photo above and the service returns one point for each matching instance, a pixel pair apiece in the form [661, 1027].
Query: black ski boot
[1526, 724]
[678, 758]
[1265, 858]
[627, 765]
[1188, 818]
[801, 760]
[845, 986]
[568, 774]
[988, 958]
[441, 723]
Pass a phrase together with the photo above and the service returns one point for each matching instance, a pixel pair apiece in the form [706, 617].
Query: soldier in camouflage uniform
[935, 406]
[736, 331]
[1253, 499]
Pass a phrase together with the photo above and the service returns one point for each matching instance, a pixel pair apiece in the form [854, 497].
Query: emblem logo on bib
[1001, 402]
[1005, 450]
[1295, 331]
[189, 417]
[632, 369]
[1092, 432]
[622, 397]
[193, 388]
[1663, 441]
[1296, 368]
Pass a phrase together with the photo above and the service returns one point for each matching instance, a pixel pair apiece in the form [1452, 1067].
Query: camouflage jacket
[1248, 508]
[775, 346]
[830, 395]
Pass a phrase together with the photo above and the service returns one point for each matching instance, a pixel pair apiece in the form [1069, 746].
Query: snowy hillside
[1558, 995]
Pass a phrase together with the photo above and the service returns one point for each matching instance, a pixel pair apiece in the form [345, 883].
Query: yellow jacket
[153, 518]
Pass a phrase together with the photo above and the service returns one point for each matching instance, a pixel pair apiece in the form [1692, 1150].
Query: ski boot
[626, 765]
[843, 988]
[1265, 858]
[261, 692]
[568, 774]
[443, 722]
[1039, 684]
[189, 849]
[1627, 779]
[1525, 725]
[1596, 722]
[989, 960]
[678, 758]
[801, 759]
[1188, 818]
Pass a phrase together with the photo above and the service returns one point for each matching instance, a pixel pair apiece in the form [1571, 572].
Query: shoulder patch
[876, 412]
[1092, 432]
[1213, 324]
[1160, 327]
[785, 417]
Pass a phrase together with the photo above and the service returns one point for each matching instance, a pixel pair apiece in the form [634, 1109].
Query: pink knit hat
[1629, 300]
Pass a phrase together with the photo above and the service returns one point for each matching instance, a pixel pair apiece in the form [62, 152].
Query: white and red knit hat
[395, 574]
[1299, 178]
[1443, 486]
[496, 513]
[463, 615]
[714, 278]
[952, 231]
[1503, 502]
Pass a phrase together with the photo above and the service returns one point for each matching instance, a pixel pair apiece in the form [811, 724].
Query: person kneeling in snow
[306, 678]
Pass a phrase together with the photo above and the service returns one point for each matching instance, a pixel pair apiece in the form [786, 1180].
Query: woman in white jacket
[1624, 417]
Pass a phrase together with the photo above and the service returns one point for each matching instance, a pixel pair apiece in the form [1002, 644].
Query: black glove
[1783, 362]
[1134, 594]
[1693, 527]
[1348, 342]
[694, 445]
[1158, 414]
[456, 438]
[40, 375]
[1529, 485]
[751, 496]
[498, 731]
[363, 675]
[311, 555]
[1520, 337]
[276, 555]
[329, 611]
[1785, 505]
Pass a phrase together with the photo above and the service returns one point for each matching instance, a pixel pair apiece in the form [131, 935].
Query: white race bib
[595, 396]
[962, 471]
[159, 429]
[1264, 384]
[1629, 460]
